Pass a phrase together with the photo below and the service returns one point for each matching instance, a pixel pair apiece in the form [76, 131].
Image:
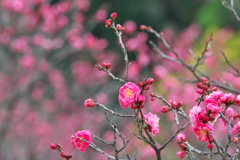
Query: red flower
[80, 144]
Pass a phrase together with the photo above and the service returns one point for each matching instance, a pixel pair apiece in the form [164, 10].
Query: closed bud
[213, 88]
[235, 140]
[69, 156]
[63, 155]
[183, 146]
[143, 27]
[89, 103]
[153, 98]
[114, 15]
[200, 91]
[200, 85]
[146, 88]
[164, 109]
[173, 103]
[119, 27]
[108, 23]
[134, 106]
[150, 81]
[210, 146]
[140, 98]
[152, 94]
[140, 84]
[141, 106]
[53, 146]
[204, 80]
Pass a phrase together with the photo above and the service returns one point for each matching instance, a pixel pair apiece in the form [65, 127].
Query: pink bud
[152, 94]
[119, 27]
[204, 80]
[183, 146]
[173, 103]
[210, 146]
[153, 98]
[143, 27]
[140, 98]
[164, 109]
[235, 140]
[146, 88]
[200, 85]
[114, 15]
[89, 103]
[53, 146]
[108, 23]
[140, 84]
[150, 81]
[181, 154]
[134, 106]
[200, 91]
[63, 155]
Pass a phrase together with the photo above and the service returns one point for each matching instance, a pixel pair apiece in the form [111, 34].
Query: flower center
[128, 92]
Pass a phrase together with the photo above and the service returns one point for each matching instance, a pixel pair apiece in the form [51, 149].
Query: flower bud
[143, 27]
[114, 15]
[152, 94]
[105, 65]
[140, 84]
[119, 27]
[53, 146]
[210, 146]
[146, 88]
[153, 98]
[183, 146]
[164, 109]
[181, 154]
[89, 103]
[108, 23]
[134, 106]
[63, 155]
[235, 140]
[150, 81]
[204, 80]
[200, 85]
[140, 98]
[200, 91]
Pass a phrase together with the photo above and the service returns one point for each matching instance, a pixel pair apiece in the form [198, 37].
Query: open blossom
[194, 114]
[235, 128]
[203, 132]
[128, 94]
[214, 97]
[152, 120]
[80, 144]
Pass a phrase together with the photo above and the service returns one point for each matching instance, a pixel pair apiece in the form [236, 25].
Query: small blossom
[80, 144]
[128, 94]
[181, 137]
[214, 97]
[204, 80]
[152, 120]
[235, 140]
[89, 103]
[237, 100]
[235, 129]
[227, 98]
[181, 154]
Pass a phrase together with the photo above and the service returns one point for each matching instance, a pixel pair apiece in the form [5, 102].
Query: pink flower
[194, 114]
[235, 128]
[80, 144]
[181, 137]
[227, 98]
[214, 97]
[181, 154]
[128, 94]
[237, 100]
[152, 120]
[203, 132]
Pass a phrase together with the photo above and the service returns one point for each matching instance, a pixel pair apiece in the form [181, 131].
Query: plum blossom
[128, 94]
[214, 97]
[203, 132]
[235, 129]
[181, 137]
[80, 144]
[152, 120]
